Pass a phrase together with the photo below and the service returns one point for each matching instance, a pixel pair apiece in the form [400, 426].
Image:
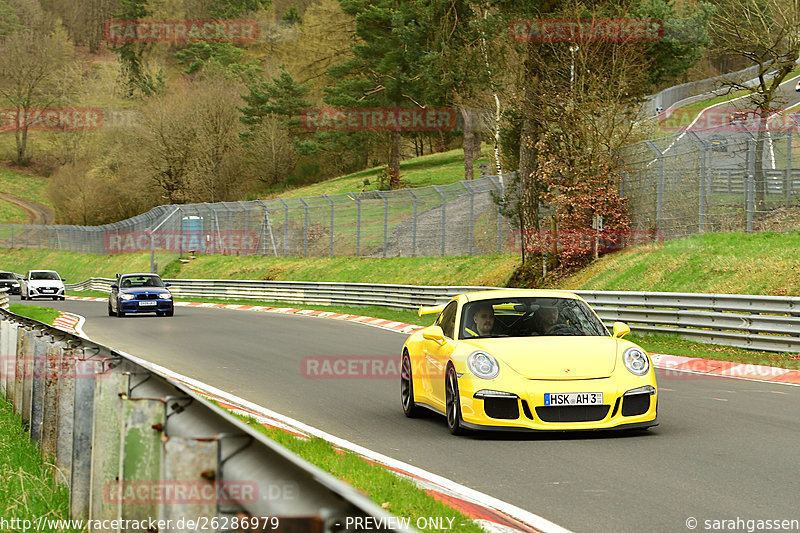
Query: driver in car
[544, 318]
[482, 322]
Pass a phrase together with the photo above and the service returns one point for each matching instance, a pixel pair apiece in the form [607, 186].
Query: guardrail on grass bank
[134, 445]
[770, 323]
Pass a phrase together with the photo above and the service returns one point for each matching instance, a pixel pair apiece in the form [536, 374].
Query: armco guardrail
[4, 298]
[134, 445]
[770, 323]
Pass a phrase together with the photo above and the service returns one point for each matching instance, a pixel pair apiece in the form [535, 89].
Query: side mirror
[435, 334]
[114, 286]
[620, 330]
[167, 284]
[63, 279]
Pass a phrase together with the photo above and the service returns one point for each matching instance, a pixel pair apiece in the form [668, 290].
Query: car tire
[55, 298]
[171, 312]
[410, 407]
[452, 402]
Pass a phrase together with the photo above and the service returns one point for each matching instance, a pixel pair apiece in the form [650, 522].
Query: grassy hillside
[734, 263]
[433, 169]
[761, 263]
[76, 267]
[33, 188]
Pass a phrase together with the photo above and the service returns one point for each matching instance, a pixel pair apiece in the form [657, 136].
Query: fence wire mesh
[456, 219]
[732, 178]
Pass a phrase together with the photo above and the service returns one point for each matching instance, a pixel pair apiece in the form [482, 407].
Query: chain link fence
[445, 220]
[730, 178]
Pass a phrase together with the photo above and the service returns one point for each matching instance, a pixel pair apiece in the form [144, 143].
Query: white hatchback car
[42, 284]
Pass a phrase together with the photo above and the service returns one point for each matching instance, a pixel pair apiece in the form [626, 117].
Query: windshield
[44, 275]
[529, 317]
[7, 275]
[130, 282]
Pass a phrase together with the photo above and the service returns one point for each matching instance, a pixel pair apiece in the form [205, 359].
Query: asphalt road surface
[724, 449]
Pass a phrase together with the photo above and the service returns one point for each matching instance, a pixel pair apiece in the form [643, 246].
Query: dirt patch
[37, 214]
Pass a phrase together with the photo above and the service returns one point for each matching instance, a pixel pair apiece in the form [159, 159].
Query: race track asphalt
[724, 449]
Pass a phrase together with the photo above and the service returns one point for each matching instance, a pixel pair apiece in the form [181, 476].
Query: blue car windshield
[134, 282]
[529, 317]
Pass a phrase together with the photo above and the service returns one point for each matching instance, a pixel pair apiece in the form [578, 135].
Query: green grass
[435, 169]
[399, 496]
[43, 314]
[27, 487]
[489, 270]
[76, 267]
[734, 263]
[33, 188]
[11, 214]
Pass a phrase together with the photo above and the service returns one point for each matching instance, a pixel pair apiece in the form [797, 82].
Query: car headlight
[636, 361]
[126, 296]
[15, 284]
[483, 365]
[164, 295]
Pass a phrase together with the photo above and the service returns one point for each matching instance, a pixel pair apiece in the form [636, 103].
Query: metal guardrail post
[86, 371]
[37, 386]
[750, 182]
[385, 220]
[358, 223]
[285, 226]
[330, 247]
[413, 224]
[701, 215]
[659, 184]
[444, 217]
[788, 181]
[471, 215]
[305, 228]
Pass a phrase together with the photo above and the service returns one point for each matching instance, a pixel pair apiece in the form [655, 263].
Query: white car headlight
[126, 296]
[483, 365]
[164, 295]
[636, 361]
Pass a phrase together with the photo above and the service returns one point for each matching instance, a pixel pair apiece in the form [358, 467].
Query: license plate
[48, 290]
[573, 398]
[147, 303]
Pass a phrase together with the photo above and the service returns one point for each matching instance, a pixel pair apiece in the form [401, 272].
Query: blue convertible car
[140, 293]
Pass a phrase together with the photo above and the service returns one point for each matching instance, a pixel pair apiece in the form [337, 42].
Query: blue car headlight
[126, 296]
[164, 296]
[636, 361]
[483, 365]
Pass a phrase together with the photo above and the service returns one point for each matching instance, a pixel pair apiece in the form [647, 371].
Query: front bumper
[11, 289]
[145, 306]
[525, 410]
[45, 292]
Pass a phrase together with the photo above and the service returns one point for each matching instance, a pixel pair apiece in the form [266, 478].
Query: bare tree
[766, 33]
[34, 69]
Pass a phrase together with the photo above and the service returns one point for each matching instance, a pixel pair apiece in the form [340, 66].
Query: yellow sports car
[526, 360]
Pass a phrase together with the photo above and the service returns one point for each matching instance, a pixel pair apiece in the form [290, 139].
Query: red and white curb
[69, 323]
[728, 369]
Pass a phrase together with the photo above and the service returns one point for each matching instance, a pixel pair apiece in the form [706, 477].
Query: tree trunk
[394, 161]
[469, 169]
